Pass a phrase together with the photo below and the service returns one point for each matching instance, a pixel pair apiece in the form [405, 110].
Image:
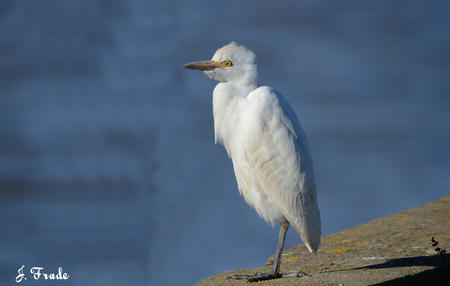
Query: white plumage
[264, 139]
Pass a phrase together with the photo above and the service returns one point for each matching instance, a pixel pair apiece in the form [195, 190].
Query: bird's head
[231, 63]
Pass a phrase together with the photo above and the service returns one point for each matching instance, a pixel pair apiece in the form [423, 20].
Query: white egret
[270, 153]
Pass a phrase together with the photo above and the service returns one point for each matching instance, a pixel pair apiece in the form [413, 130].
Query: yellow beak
[204, 66]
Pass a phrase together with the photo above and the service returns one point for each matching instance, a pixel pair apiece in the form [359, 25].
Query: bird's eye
[227, 63]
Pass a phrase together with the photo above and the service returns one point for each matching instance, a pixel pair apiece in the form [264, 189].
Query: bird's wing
[280, 161]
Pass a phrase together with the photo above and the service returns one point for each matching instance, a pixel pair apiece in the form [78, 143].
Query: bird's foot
[267, 276]
[296, 274]
[256, 277]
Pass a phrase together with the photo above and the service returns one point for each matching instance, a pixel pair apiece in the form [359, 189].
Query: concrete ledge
[393, 250]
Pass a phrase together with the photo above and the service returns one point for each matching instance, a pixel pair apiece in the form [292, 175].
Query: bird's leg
[276, 264]
[280, 245]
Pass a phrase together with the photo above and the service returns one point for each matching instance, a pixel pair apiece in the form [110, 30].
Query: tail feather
[308, 226]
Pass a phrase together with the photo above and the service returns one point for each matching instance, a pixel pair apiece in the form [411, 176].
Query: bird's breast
[229, 118]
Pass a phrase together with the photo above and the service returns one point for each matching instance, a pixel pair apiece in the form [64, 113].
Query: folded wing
[278, 156]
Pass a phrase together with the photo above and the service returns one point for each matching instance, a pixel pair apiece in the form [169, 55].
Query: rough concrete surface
[406, 248]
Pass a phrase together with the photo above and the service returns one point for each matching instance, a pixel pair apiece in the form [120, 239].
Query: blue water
[108, 166]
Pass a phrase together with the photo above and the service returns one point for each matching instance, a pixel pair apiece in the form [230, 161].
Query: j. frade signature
[38, 273]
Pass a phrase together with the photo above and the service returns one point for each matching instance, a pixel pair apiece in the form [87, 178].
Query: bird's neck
[238, 88]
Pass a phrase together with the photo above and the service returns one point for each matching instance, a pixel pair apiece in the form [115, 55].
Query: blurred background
[108, 166]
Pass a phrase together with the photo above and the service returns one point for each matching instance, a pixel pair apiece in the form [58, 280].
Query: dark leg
[276, 264]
